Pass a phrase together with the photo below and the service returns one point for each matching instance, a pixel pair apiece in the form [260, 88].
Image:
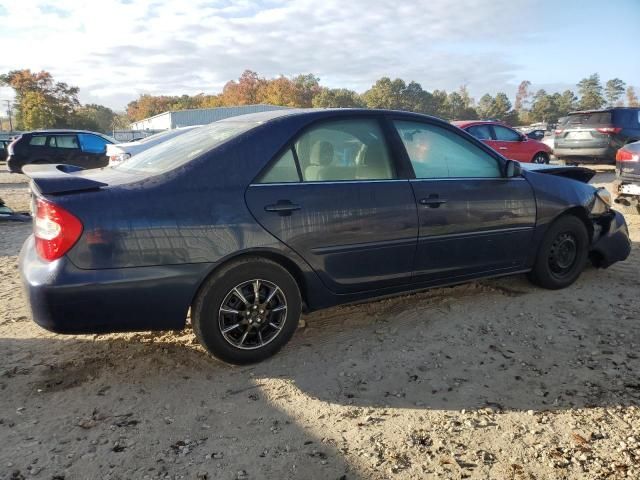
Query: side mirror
[512, 169]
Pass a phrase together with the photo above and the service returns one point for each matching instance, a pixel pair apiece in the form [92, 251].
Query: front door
[511, 144]
[473, 221]
[334, 197]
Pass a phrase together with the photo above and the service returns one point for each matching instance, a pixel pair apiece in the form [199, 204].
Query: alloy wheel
[252, 314]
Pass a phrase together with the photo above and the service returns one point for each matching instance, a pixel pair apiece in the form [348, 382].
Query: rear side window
[64, 141]
[38, 141]
[92, 143]
[344, 150]
[591, 118]
[481, 132]
[284, 170]
[340, 150]
[505, 134]
[436, 152]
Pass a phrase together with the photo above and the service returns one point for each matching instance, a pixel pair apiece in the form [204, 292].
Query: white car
[122, 151]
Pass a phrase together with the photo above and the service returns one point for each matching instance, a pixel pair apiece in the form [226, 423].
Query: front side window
[64, 141]
[436, 152]
[505, 134]
[481, 132]
[341, 150]
[38, 141]
[92, 143]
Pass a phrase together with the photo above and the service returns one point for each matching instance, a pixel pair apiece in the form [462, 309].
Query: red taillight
[626, 156]
[55, 230]
[609, 130]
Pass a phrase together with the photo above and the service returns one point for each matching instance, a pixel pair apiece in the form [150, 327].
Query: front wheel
[562, 254]
[247, 311]
[541, 158]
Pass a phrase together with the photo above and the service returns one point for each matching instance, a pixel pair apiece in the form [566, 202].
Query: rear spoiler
[59, 178]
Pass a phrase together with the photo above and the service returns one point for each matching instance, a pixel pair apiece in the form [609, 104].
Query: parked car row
[249, 220]
[596, 136]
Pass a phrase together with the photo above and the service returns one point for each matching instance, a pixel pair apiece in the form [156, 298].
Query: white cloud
[115, 50]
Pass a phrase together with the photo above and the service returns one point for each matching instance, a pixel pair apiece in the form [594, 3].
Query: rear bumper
[613, 244]
[14, 165]
[607, 152]
[66, 299]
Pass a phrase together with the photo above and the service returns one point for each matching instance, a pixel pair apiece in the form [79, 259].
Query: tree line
[41, 102]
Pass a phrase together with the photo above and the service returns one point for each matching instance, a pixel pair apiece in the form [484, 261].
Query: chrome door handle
[502, 148]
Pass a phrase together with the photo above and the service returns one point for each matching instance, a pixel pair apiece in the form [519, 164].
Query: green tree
[566, 103]
[94, 117]
[590, 91]
[485, 106]
[337, 98]
[439, 104]
[35, 111]
[632, 98]
[613, 91]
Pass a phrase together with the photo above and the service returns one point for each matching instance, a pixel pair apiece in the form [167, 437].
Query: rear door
[64, 148]
[472, 220]
[335, 197]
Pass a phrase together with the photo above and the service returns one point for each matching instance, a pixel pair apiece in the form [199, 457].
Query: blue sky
[115, 50]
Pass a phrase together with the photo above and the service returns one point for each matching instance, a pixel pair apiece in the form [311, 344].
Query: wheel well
[540, 152]
[281, 260]
[580, 213]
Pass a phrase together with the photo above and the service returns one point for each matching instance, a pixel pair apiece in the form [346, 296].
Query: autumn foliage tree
[40, 101]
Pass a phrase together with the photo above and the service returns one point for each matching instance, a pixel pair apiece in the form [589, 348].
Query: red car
[506, 141]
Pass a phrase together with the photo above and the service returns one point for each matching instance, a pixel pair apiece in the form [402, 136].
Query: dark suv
[596, 136]
[73, 147]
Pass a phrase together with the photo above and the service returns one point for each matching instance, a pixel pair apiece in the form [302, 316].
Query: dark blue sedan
[251, 220]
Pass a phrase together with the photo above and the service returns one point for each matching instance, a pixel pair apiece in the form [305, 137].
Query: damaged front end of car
[610, 241]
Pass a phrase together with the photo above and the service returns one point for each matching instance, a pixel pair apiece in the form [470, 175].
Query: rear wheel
[247, 311]
[540, 157]
[562, 254]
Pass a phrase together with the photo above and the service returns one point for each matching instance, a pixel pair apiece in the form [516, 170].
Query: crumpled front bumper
[611, 243]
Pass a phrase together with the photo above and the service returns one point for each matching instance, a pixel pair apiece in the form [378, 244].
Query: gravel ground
[492, 379]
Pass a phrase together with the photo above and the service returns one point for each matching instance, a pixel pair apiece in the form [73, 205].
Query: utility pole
[8, 102]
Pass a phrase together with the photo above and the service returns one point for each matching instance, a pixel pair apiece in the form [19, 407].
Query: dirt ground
[492, 379]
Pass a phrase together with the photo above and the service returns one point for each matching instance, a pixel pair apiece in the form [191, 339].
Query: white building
[199, 116]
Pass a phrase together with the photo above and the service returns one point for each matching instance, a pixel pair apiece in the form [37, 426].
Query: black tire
[254, 346]
[541, 158]
[562, 255]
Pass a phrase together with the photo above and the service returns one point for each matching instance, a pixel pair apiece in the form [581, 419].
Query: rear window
[182, 149]
[593, 118]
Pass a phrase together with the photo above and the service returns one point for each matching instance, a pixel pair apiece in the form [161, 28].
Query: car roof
[319, 113]
[62, 130]
[602, 110]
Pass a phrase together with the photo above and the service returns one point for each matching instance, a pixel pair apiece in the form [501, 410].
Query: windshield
[184, 148]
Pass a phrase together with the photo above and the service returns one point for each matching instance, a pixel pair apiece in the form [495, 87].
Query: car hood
[582, 174]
